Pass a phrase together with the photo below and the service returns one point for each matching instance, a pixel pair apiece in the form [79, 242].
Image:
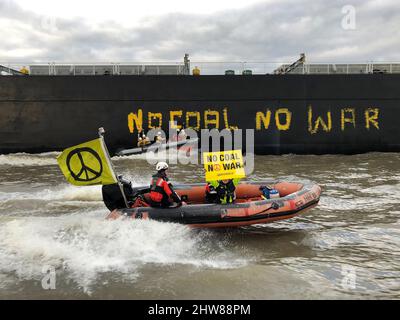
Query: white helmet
[161, 166]
[140, 139]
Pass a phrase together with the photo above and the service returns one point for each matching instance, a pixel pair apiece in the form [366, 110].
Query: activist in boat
[242, 202]
[162, 193]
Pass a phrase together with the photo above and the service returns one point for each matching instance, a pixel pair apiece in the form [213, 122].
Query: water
[347, 247]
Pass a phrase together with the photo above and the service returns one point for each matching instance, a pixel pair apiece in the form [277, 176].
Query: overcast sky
[209, 30]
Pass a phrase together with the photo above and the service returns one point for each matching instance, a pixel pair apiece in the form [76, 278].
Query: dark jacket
[219, 192]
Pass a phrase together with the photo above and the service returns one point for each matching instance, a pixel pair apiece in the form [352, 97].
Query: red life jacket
[159, 188]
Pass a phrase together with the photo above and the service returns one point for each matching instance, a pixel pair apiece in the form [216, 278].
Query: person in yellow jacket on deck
[221, 191]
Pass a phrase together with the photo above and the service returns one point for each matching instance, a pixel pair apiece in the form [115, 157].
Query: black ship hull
[305, 114]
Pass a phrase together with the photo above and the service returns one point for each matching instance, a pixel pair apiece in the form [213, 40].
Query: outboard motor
[112, 196]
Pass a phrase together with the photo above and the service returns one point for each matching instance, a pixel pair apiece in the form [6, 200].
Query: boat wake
[27, 159]
[56, 200]
[84, 246]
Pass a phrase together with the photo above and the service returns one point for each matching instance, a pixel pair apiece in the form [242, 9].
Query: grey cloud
[276, 31]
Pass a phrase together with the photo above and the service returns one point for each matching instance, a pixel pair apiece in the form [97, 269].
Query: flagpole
[121, 187]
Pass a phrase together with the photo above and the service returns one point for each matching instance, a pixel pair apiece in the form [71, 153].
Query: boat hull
[250, 209]
[289, 114]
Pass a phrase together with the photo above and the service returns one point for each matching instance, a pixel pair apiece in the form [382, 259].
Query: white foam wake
[87, 246]
[66, 193]
[26, 159]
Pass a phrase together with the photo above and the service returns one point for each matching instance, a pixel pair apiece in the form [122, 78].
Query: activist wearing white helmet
[161, 166]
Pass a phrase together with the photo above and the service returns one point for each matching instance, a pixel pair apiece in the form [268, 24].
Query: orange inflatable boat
[251, 205]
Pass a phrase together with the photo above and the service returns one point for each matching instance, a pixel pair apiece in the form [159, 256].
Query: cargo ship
[299, 108]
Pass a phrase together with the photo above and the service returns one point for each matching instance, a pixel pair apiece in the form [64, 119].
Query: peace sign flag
[87, 164]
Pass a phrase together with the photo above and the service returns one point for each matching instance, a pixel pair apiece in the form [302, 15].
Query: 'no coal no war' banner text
[223, 165]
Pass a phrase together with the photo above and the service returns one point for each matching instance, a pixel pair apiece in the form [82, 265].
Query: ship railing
[343, 68]
[205, 67]
[94, 69]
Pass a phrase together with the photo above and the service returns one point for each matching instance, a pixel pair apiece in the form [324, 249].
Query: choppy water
[347, 247]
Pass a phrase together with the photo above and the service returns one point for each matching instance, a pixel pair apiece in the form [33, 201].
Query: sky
[209, 30]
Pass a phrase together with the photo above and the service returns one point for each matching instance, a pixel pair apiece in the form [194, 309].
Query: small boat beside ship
[250, 207]
[182, 146]
[249, 202]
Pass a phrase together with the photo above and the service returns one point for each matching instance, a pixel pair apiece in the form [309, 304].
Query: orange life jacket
[159, 188]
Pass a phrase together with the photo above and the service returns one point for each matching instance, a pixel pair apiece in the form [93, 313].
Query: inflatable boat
[251, 205]
[184, 145]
